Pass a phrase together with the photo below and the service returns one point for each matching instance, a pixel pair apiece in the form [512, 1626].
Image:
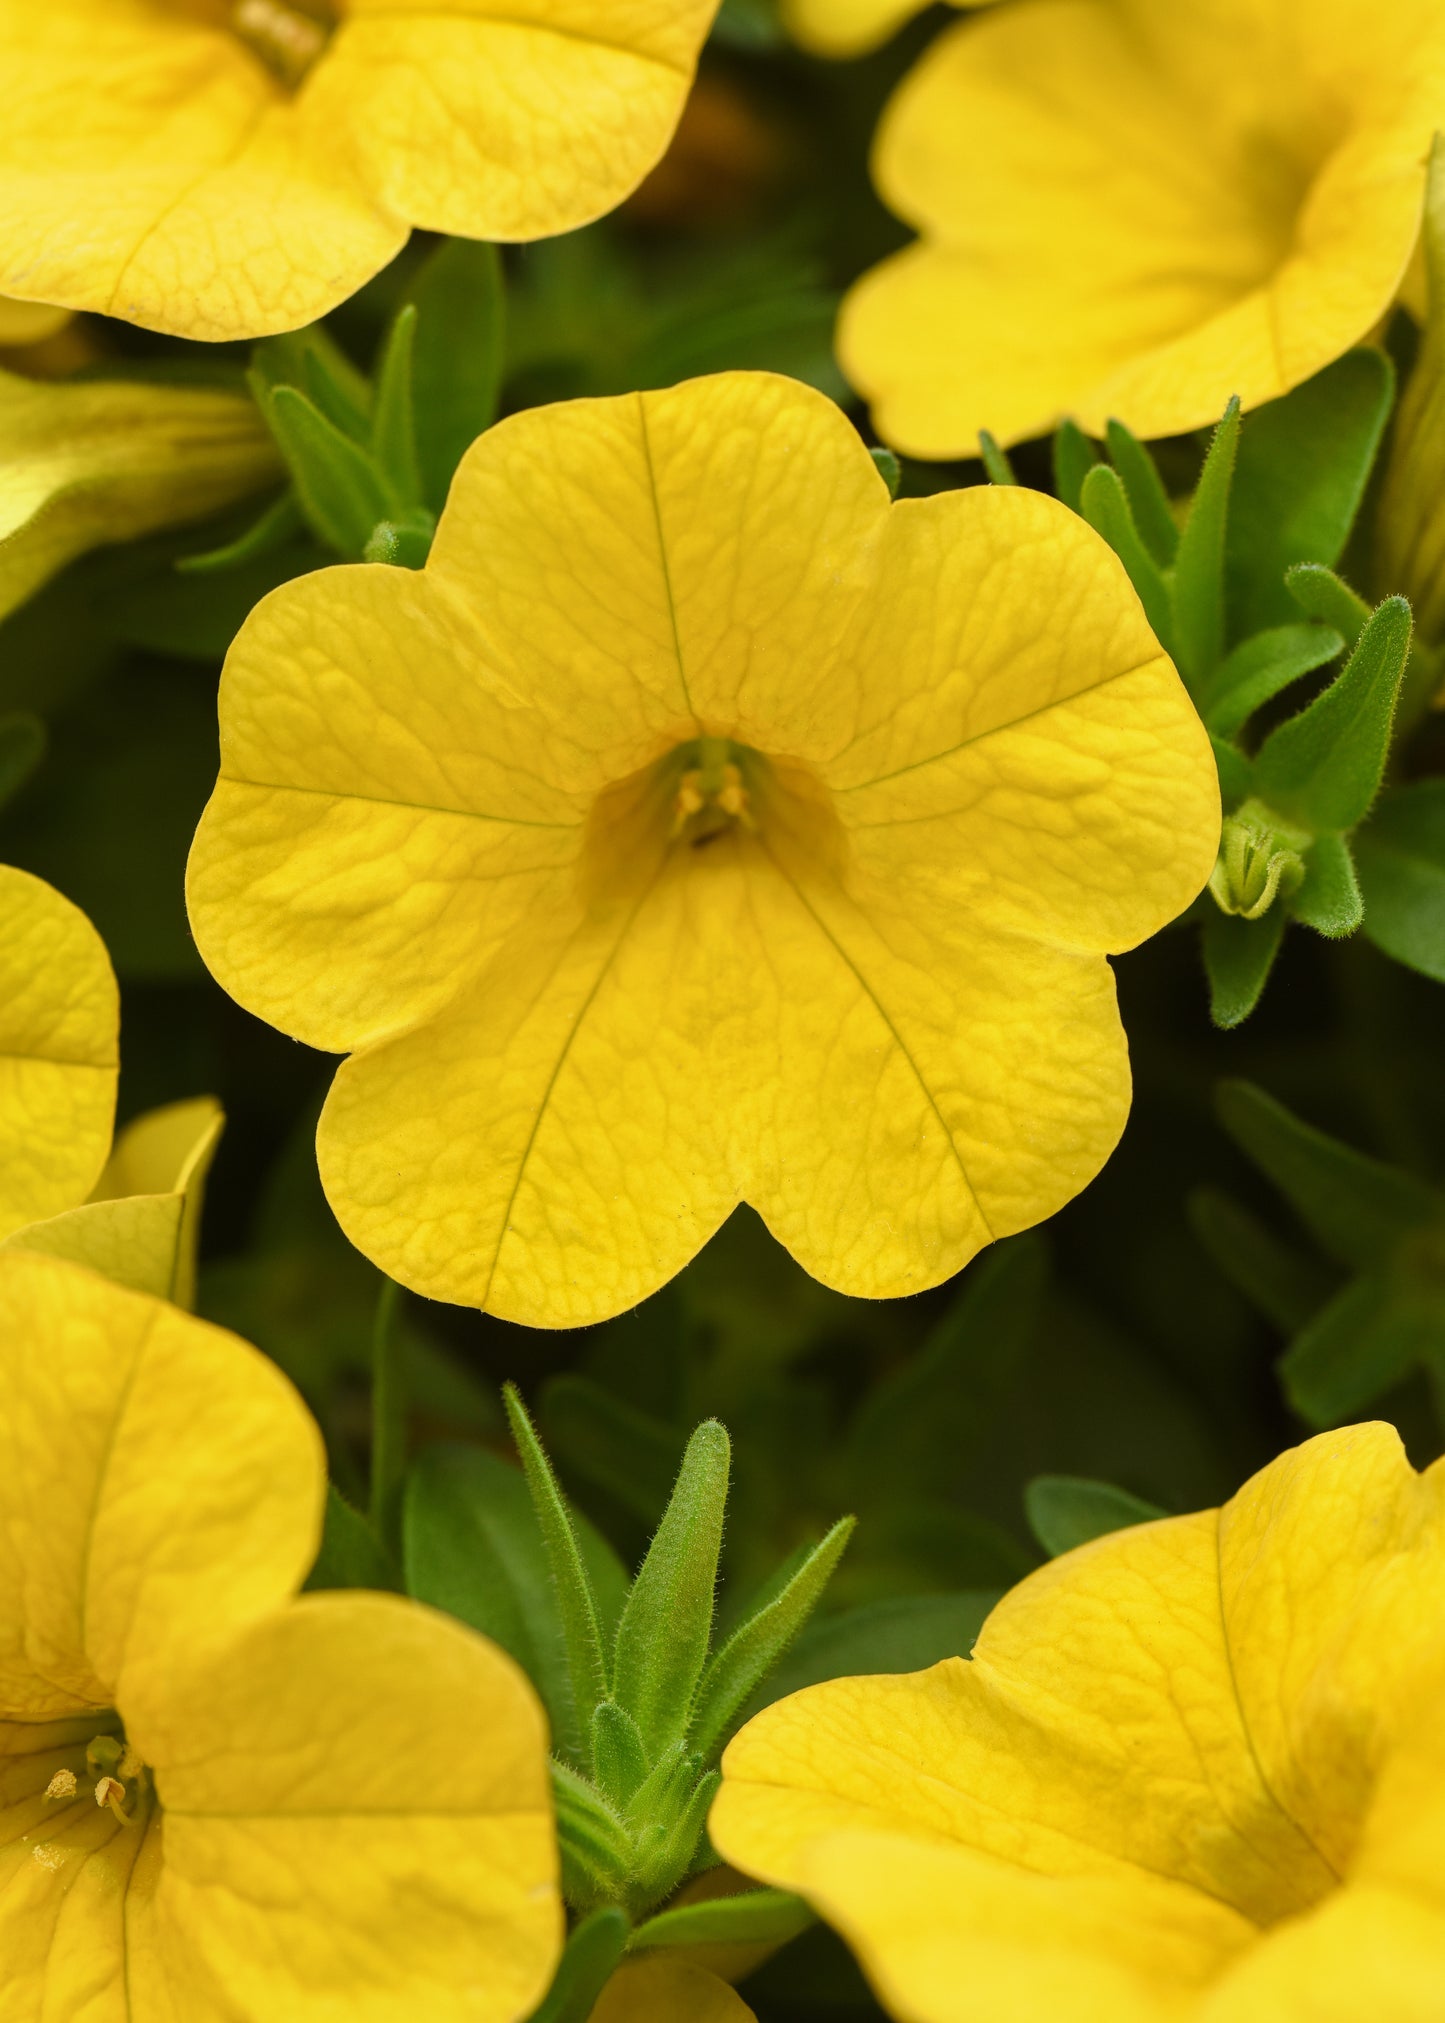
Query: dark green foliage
[1065, 1511]
[1400, 854]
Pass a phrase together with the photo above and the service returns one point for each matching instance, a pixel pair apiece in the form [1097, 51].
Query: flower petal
[662, 1990]
[162, 1485]
[848, 27]
[357, 1819]
[59, 1029]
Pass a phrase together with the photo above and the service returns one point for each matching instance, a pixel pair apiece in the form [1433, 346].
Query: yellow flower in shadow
[658, 1989]
[226, 168]
[1138, 211]
[1193, 1773]
[218, 1802]
[23, 323]
[699, 828]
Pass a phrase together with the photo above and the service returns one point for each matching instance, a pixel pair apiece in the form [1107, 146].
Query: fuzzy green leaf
[1259, 668]
[752, 1918]
[995, 461]
[592, 1955]
[889, 469]
[1065, 1511]
[1321, 594]
[1148, 499]
[1401, 857]
[1329, 899]
[393, 422]
[1198, 582]
[1074, 458]
[1238, 957]
[619, 1759]
[1105, 505]
[341, 491]
[461, 303]
[281, 522]
[1369, 1336]
[1323, 767]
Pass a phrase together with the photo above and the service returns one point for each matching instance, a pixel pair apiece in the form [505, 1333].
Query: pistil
[712, 794]
[115, 1776]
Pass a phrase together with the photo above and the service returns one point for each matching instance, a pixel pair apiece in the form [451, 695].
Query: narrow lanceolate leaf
[1074, 458]
[339, 487]
[1105, 505]
[889, 469]
[1198, 584]
[576, 1605]
[1370, 1335]
[619, 1760]
[752, 1918]
[1401, 857]
[1356, 1207]
[1323, 767]
[591, 1958]
[1329, 898]
[662, 1640]
[588, 1824]
[739, 1668]
[1238, 957]
[995, 461]
[1065, 1511]
[461, 303]
[1321, 594]
[1260, 668]
[1285, 1286]
[393, 425]
[1148, 499]
[668, 1860]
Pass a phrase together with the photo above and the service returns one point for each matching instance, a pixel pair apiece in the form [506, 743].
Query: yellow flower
[658, 1989]
[1193, 1773]
[849, 27]
[225, 168]
[106, 460]
[23, 323]
[1137, 210]
[698, 829]
[218, 1803]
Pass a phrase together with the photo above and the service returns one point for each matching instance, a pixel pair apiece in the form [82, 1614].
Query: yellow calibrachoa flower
[1193, 1773]
[1137, 210]
[849, 27]
[217, 1803]
[696, 828]
[225, 168]
[658, 1989]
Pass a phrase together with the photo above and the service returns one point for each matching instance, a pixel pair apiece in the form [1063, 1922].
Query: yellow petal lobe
[663, 1990]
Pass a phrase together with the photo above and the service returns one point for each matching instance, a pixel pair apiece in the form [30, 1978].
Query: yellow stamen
[62, 1785]
[110, 1792]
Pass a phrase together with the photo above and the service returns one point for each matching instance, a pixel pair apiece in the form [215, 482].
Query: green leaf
[1369, 1336]
[281, 522]
[906, 1634]
[1105, 505]
[351, 1555]
[619, 1757]
[1329, 899]
[23, 739]
[313, 361]
[1321, 594]
[1286, 1287]
[1198, 585]
[1401, 857]
[1236, 773]
[1074, 458]
[752, 1918]
[1303, 465]
[461, 303]
[995, 461]
[666, 1626]
[735, 1672]
[390, 1410]
[1067, 1510]
[1259, 668]
[1357, 1208]
[1148, 500]
[576, 1597]
[472, 1545]
[340, 489]
[1238, 957]
[1324, 766]
[403, 543]
[588, 1963]
[889, 469]
[393, 421]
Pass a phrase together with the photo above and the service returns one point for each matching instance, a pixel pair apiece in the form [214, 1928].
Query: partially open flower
[1193, 1770]
[225, 168]
[699, 828]
[1136, 210]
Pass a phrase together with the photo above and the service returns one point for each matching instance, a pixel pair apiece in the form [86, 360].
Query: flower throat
[287, 35]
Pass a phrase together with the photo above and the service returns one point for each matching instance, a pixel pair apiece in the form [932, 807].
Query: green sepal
[576, 1601]
[1400, 853]
[393, 419]
[995, 461]
[339, 488]
[1238, 957]
[619, 1759]
[1198, 580]
[889, 468]
[668, 1857]
[1074, 457]
[1285, 1286]
[1356, 1207]
[351, 1555]
[735, 1672]
[1259, 669]
[592, 1838]
[752, 1918]
[1324, 766]
[281, 522]
[1065, 1511]
[1328, 899]
[1323, 595]
[1303, 465]
[23, 740]
[589, 1960]
[1148, 500]
[460, 299]
[666, 1627]
[1105, 505]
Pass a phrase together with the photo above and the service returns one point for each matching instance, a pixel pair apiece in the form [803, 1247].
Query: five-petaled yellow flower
[848, 27]
[1193, 1773]
[1136, 209]
[225, 168]
[217, 1803]
[697, 828]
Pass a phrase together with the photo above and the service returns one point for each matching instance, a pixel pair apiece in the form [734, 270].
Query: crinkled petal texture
[1138, 211]
[59, 1051]
[879, 1009]
[153, 167]
[346, 1808]
[1192, 1771]
[659, 1989]
[849, 27]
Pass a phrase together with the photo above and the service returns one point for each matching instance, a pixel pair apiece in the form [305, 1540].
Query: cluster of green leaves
[1241, 585]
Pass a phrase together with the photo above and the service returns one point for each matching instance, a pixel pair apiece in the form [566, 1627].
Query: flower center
[114, 1777]
[713, 792]
[287, 35]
